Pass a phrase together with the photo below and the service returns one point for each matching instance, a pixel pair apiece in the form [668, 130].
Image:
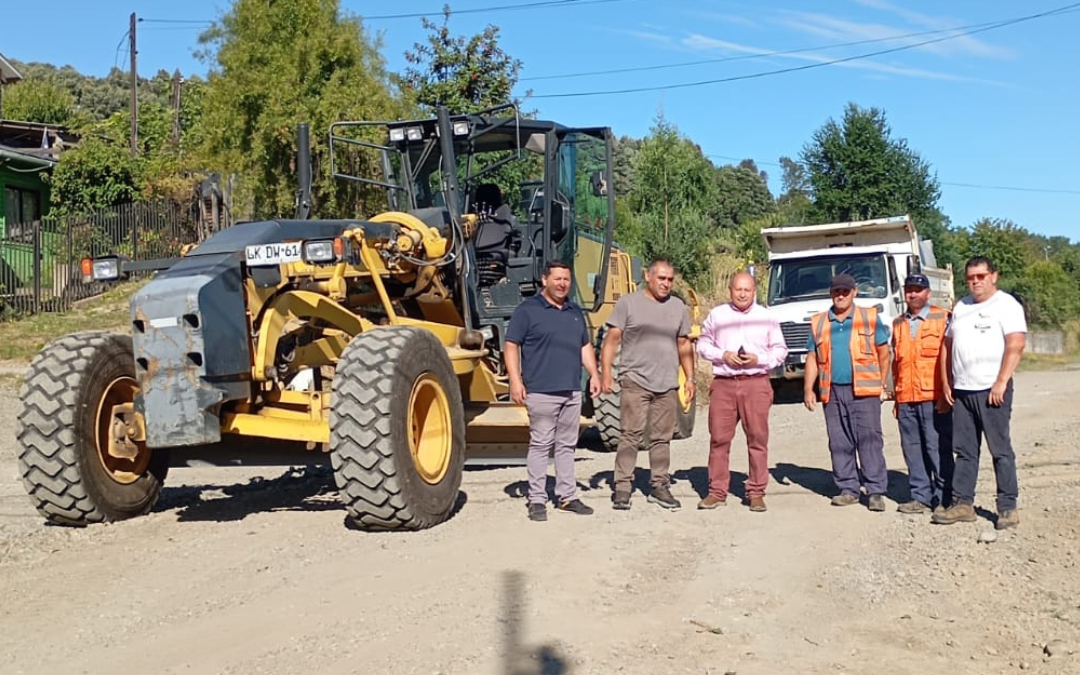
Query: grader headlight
[99, 269]
[324, 250]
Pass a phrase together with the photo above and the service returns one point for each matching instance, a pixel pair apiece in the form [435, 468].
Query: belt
[740, 377]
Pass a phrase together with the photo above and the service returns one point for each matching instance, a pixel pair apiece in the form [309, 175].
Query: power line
[809, 66]
[192, 23]
[747, 57]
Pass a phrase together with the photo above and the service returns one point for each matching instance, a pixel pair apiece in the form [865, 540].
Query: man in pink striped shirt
[743, 342]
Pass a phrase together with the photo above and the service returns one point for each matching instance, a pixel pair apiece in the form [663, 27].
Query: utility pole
[177, 82]
[134, 89]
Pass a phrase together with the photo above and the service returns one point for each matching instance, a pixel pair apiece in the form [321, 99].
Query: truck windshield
[808, 278]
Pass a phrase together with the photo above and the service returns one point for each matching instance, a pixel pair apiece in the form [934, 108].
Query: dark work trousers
[926, 439]
[854, 426]
[973, 416]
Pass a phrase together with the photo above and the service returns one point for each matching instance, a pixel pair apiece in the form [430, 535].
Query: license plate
[272, 254]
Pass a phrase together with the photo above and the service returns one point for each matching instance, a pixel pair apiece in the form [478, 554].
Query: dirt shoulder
[253, 571]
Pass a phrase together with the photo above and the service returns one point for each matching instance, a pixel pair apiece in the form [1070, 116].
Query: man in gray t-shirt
[650, 329]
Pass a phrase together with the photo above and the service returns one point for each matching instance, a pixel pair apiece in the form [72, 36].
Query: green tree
[742, 195]
[1051, 296]
[793, 204]
[675, 196]
[857, 170]
[272, 66]
[1005, 243]
[95, 175]
[38, 101]
[465, 74]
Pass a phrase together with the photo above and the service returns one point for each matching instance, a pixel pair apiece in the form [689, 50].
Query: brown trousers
[639, 409]
[732, 401]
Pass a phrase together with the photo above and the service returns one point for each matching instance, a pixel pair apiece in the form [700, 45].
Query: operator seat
[492, 240]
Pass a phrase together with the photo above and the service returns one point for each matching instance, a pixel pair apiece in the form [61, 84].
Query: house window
[22, 207]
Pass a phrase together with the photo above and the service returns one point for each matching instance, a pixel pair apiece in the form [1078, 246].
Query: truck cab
[878, 253]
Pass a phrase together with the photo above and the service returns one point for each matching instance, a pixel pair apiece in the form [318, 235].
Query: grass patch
[21, 340]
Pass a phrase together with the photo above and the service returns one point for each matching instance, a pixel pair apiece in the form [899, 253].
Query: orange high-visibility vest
[865, 369]
[915, 361]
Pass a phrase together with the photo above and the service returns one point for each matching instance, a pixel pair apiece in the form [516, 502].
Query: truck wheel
[73, 473]
[606, 416]
[397, 430]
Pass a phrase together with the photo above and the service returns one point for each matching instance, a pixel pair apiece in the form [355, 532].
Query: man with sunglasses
[849, 359]
[919, 404]
[983, 347]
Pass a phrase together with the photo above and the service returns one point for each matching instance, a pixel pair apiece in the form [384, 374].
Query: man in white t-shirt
[983, 345]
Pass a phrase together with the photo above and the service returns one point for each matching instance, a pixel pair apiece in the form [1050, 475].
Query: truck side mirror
[599, 185]
[913, 265]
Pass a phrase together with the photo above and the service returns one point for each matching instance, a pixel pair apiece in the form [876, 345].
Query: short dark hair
[554, 265]
[660, 260]
[975, 261]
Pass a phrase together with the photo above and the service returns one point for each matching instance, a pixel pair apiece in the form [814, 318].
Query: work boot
[576, 506]
[876, 503]
[712, 502]
[957, 513]
[621, 501]
[537, 512]
[913, 508]
[845, 499]
[661, 495]
[1007, 518]
[757, 504]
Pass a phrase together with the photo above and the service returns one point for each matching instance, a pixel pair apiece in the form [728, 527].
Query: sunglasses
[978, 276]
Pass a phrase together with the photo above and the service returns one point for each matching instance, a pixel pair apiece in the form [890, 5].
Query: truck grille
[795, 334]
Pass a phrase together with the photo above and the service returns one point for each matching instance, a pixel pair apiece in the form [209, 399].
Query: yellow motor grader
[376, 343]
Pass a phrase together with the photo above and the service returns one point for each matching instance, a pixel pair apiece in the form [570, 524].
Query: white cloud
[700, 42]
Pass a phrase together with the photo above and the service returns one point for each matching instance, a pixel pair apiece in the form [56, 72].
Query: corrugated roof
[32, 162]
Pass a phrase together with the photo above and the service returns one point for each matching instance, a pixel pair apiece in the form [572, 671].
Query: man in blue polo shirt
[547, 343]
[849, 359]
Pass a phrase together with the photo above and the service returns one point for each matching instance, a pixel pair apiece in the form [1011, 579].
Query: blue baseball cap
[917, 280]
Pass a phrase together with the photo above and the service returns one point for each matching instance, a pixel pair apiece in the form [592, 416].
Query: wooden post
[134, 88]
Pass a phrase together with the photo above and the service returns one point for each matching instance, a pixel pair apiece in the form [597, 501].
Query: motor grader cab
[376, 342]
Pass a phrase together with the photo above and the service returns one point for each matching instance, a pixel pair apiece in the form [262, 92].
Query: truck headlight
[319, 251]
[99, 269]
[324, 250]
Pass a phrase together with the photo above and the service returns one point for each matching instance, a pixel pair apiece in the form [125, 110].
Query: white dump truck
[879, 253]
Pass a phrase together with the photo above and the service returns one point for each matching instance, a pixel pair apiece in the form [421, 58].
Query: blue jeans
[926, 438]
[973, 416]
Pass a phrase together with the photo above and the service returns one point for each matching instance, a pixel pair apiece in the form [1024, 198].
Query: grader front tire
[397, 430]
[63, 430]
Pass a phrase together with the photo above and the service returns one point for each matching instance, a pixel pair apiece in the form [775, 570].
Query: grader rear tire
[63, 429]
[397, 430]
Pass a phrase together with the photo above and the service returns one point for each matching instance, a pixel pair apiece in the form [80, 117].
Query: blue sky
[995, 108]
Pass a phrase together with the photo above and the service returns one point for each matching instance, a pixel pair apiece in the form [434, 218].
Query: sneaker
[757, 504]
[576, 506]
[1006, 519]
[712, 502]
[876, 503]
[621, 501]
[537, 512]
[913, 508]
[957, 513]
[661, 495]
[845, 499]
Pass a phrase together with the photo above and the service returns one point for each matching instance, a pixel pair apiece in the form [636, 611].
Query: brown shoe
[876, 503]
[913, 508]
[712, 502]
[757, 504]
[1007, 519]
[845, 499]
[957, 513]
